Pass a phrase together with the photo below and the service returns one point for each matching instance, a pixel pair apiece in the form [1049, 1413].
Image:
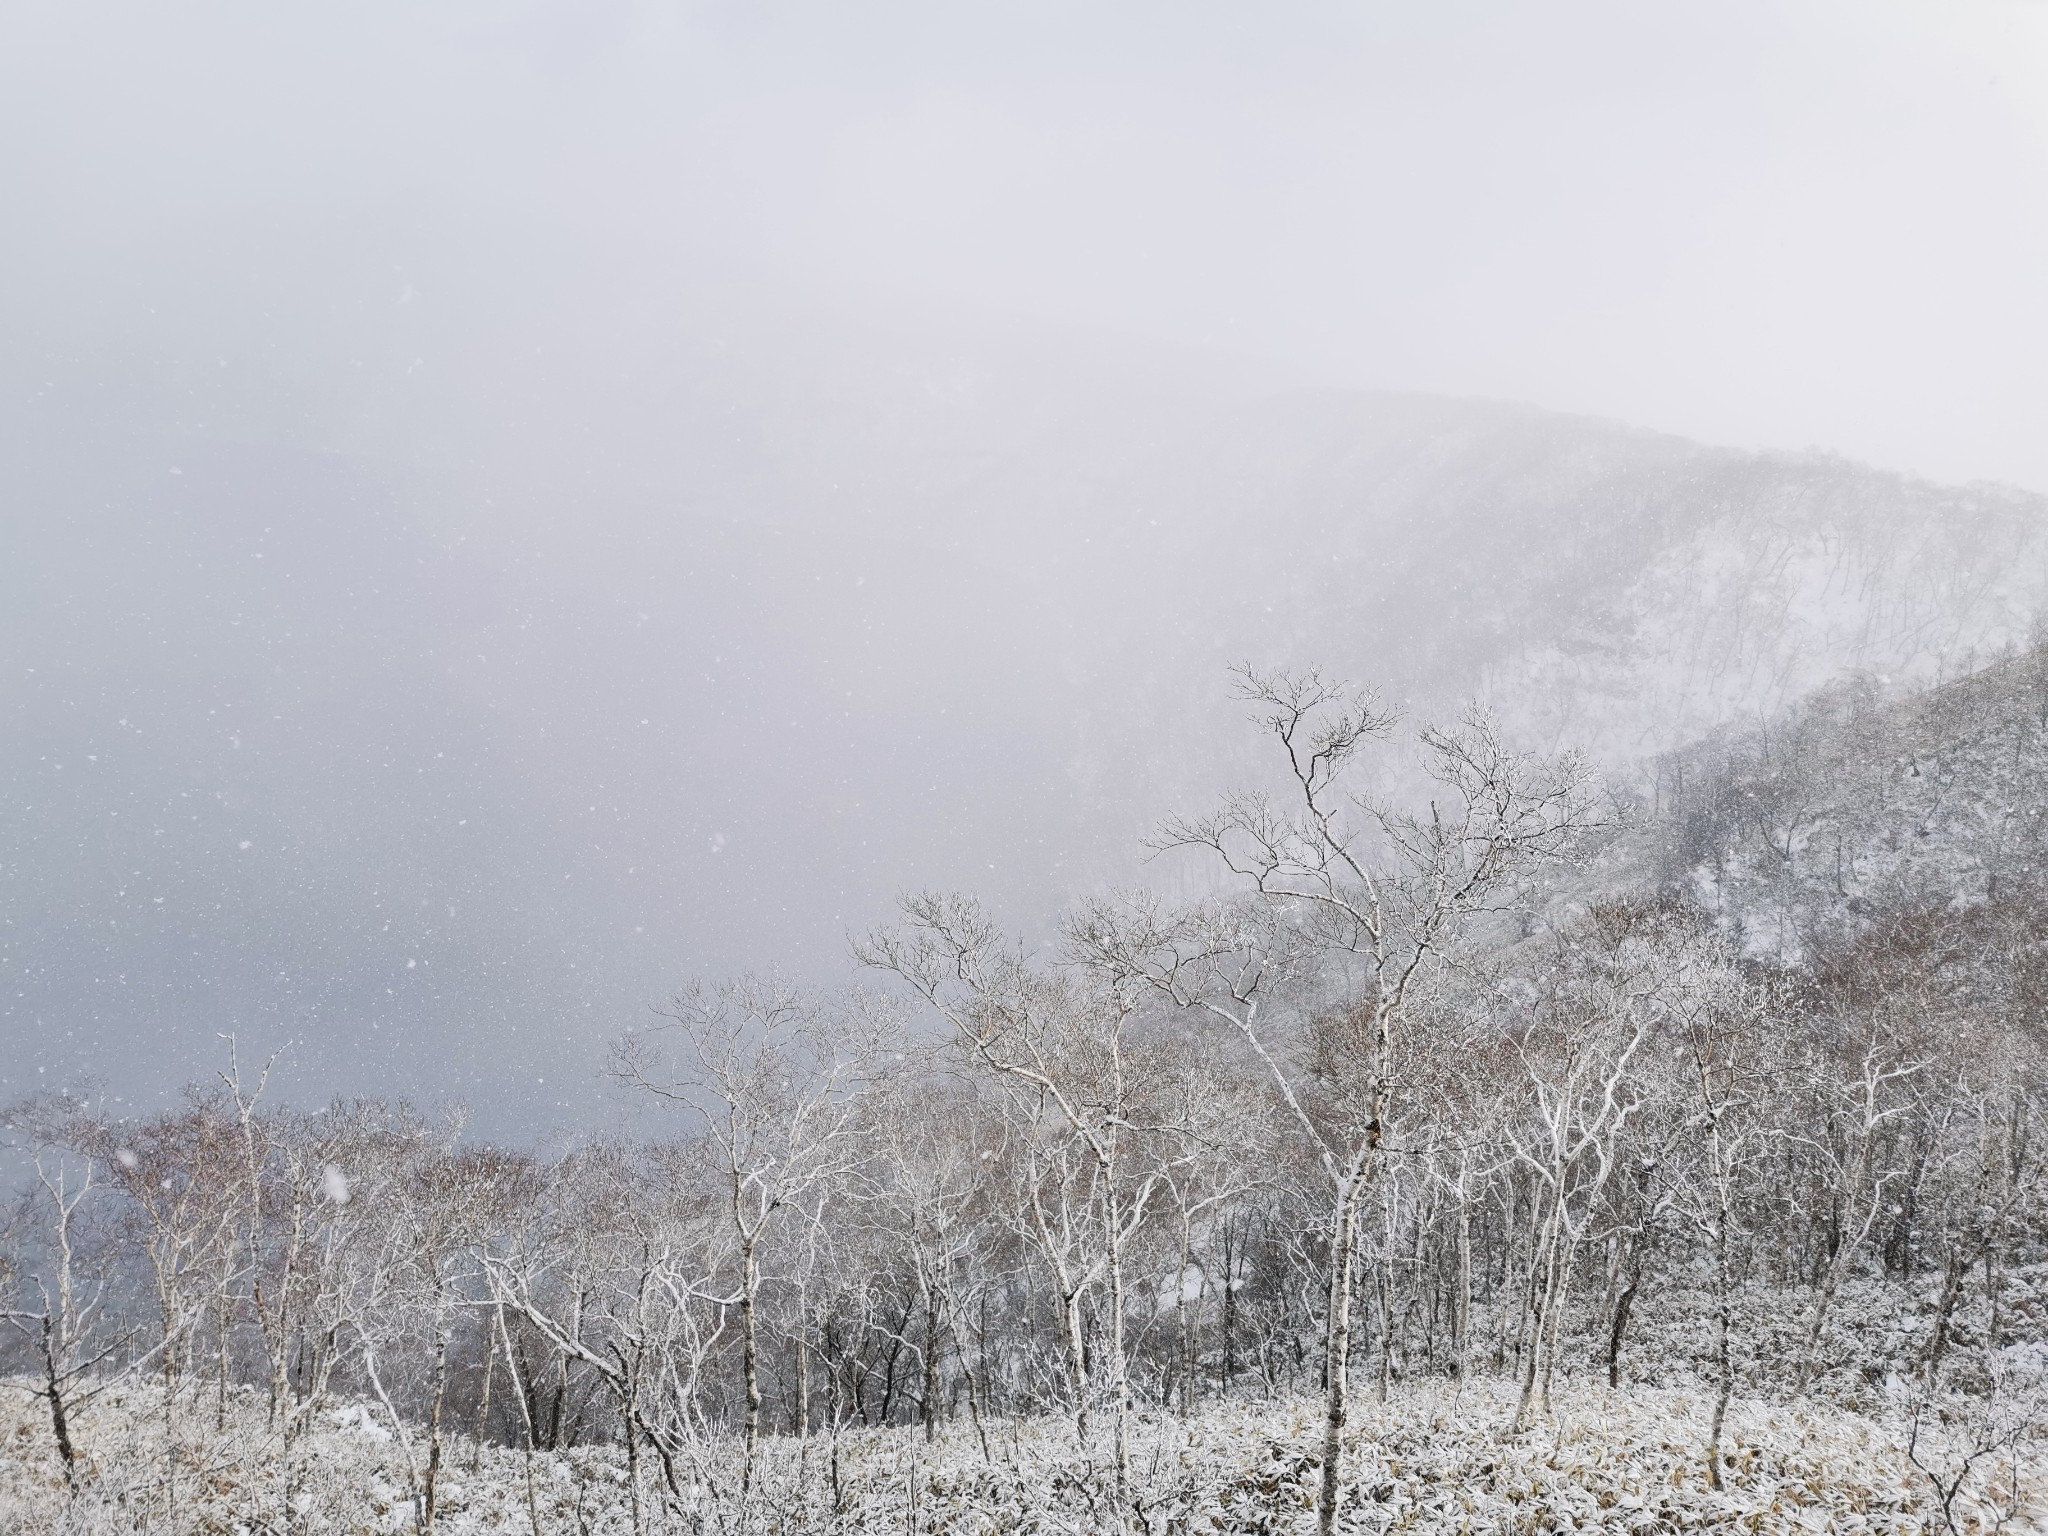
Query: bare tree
[72, 1331]
[1719, 1019]
[1374, 895]
[1063, 1052]
[1579, 1056]
[776, 1082]
[1856, 1105]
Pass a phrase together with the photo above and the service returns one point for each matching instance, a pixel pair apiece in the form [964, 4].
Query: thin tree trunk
[60, 1425]
[928, 1409]
[803, 1383]
[1724, 1357]
[974, 1388]
[1566, 1253]
[1461, 1316]
[402, 1437]
[1724, 1354]
[750, 1281]
[170, 1438]
[1838, 1263]
[525, 1418]
[1119, 1375]
[433, 1479]
[1183, 1368]
[1383, 1293]
[220, 1386]
[1337, 1350]
[1957, 1266]
[1232, 1257]
[483, 1413]
[1536, 1316]
[1077, 1361]
[1618, 1329]
[632, 1428]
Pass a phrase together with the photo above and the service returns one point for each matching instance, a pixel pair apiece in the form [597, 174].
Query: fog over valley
[444, 764]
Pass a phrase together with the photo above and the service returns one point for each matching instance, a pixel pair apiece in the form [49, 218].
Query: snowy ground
[1431, 1460]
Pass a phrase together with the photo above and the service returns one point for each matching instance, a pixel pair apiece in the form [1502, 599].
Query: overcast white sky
[1779, 224]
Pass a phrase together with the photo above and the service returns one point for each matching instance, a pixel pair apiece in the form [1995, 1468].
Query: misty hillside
[1852, 810]
[463, 745]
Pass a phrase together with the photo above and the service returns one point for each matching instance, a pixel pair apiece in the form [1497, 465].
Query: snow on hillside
[1433, 1459]
[1797, 574]
[1855, 803]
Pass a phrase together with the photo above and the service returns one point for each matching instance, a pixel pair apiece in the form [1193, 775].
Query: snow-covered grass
[1434, 1459]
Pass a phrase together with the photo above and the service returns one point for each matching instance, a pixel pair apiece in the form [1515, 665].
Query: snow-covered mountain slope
[1798, 573]
[1854, 810]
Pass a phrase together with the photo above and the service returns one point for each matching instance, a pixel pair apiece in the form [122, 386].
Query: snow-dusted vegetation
[1531, 1159]
[1433, 1459]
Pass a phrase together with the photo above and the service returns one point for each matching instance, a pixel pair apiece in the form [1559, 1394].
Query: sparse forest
[1335, 1198]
